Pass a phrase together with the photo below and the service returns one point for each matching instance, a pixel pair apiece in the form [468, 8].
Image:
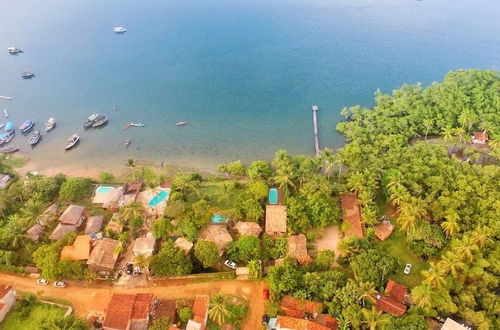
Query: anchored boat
[91, 119]
[35, 137]
[9, 127]
[181, 123]
[101, 120]
[8, 98]
[51, 123]
[137, 124]
[127, 142]
[72, 141]
[14, 50]
[27, 75]
[26, 126]
[119, 29]
[6, 137]
[9, 149]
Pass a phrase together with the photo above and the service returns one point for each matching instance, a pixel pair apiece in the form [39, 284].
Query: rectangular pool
[273, 196]
[158, 198]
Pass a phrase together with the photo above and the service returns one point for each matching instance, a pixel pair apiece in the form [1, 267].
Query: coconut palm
[434, 277]
[284, 178]
[328, 159]
[451, 264]
[428, 124]
[481, 236]
[344, 323]
[13, 232]
[408, 216]
[32, 208]
[142, 260]
[218, 311]
[339, 161]
[374, 320]
[451, 226]
[366, 291]
[356, 181]
[131, 165]
[421, 296]
[184, 184]
[466, 249]
[132, 211]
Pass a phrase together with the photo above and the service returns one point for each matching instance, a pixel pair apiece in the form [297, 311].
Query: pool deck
[145, 196]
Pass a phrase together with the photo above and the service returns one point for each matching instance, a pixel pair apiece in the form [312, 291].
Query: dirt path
[94, 298]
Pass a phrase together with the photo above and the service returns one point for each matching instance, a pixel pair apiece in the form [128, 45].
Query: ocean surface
[244, 73]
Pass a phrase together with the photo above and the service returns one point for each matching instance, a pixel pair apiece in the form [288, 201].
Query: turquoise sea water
[244, 73]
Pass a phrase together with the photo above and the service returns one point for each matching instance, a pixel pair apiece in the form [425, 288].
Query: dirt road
[94, 298]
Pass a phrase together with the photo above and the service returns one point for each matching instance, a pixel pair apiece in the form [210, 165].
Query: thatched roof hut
[247, 228]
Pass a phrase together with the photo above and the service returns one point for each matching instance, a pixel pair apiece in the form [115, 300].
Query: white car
[42, 281]
[59, 284]
[230, 264]
[407, 269]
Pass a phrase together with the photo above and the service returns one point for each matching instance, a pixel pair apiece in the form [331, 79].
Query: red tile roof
[299, 307]
[125, 307]
[4, 289]
[481, 136]
[328, 321]
[352, 215]
[383, 230]
[391, 306]
[396, 291]
[298, 324]
[200, 309]
[165, 308]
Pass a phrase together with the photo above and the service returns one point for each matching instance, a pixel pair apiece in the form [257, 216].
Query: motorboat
[6, 137]
[181, 123]
[27, 75]
[8, 98]
[72, 141]
[35, 137]
[26, 126]
[50, 124]
[9, 149]
[101, 120]
[137, 124]
[14, 50]
[9, 127]
[119, 29]
[91, 119]
[127, 143]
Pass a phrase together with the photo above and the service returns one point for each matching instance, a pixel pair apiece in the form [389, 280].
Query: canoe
[26, 126]
[9, 149]
[72, 141]
[34, 138]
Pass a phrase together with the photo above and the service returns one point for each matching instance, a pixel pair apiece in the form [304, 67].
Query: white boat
[137, 124]
[72, 141]
[8, 98]
[51, 123]
[119, 29]
[181, 123]
[6, 114]
[14, 50]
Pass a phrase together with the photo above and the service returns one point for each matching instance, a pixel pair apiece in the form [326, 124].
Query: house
[247, 228]
[144, 245]
[184, 244]
[80, 250]
[200, 313]
[164, 308]
[128, 311]
[4, 180]
[35, 232]
[103, 256]
[292, 323]
[451, 324]
[383, 230]
[109, 197]
[94, 224]
[480, 138]
[393, 302]
[352, 215]
[48, 216]
[300, 308]
[328, 321]
[115, 224]
[217, 234]
[69, 221]
[7, 300]
[275, 220]
[297, 248]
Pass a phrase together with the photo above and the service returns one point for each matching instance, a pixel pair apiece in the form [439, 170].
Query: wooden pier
[315, 110]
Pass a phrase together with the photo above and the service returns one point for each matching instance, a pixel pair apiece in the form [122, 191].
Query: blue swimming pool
[103, 189]
[158, 198]
[217, 218]
[273, 196]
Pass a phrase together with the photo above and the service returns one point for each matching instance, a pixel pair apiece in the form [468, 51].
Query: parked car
[59, 284]
[265, 319]
[42, 281]
[265, 293]
[137, 271]
[407, 269]
[130, 268]
[230, 264]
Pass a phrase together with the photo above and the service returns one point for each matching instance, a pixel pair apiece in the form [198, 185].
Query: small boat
[9, 149]
[137, 124]
[6, 137]
[6, 114]
[72, 141]
[100, 121]
[14, 50]
[8, 98]
[181, 123]
[26, 126]
[35, 137]
[91, 119]
[127, 142]
[1, 126]
[51, 123]
[9, 127]
[27, 75]
[119, 29]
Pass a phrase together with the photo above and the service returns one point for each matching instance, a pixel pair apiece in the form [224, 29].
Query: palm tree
[340, 161]
[450, 226]
[184, 183]
[421, 296]
[4, 203]
[451, 264]
[356, 182]
[466, 249]
[32, 208]
[13, 232]
[283, 178]
[459, 133]
[448, 136]
[408, 216]
[132, 211]
[328, 159]
[373, 319]
[131, 165]
[434, 277]
[344, 323]
[428, 124]
[218, 311]
[366, 291]
[481, 236]
[142, 260]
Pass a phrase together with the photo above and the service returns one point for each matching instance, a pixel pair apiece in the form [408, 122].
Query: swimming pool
[273, 196]
[158, 198]
[103, 189]
[217, 218]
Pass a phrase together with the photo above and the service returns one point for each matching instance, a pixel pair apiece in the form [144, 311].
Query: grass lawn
[397, 247]
[39, 314]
